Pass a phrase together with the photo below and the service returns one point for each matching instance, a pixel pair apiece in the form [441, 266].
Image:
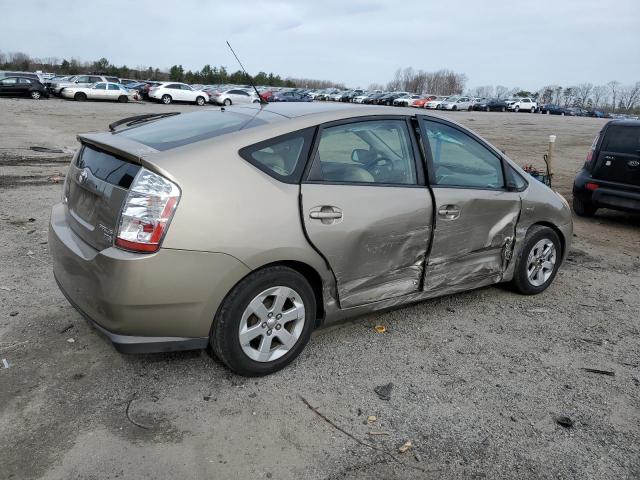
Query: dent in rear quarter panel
[229, 206]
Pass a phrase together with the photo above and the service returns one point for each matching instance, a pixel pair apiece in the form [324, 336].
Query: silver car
[246, 228]
[232, 96]
[99, 91]
[56, 87]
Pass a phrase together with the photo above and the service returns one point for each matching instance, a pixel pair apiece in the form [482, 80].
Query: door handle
[326, 214]
[322, 215]
[449, 212]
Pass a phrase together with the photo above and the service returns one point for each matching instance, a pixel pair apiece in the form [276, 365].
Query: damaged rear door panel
[366, 209]
[475, 215]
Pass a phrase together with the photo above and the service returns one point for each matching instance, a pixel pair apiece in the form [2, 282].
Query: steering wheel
[380, 165]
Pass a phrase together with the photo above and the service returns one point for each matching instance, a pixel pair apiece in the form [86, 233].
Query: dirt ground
[479, 378]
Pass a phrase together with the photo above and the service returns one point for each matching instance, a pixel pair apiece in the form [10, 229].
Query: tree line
[207, 75]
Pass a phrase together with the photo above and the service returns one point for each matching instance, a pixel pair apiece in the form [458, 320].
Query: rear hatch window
[183, 129]
[96, 187]
[619, 156]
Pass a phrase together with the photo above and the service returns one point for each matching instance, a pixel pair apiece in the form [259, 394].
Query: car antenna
[262, 100]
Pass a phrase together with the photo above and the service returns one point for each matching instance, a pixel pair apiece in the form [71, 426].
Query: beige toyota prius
[245, 228]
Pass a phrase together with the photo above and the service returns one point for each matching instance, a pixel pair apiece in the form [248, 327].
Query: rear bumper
[607, 195]
[142, 302]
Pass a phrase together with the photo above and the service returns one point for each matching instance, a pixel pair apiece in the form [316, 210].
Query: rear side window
[106, 167]
[622, 139]
[282, 157]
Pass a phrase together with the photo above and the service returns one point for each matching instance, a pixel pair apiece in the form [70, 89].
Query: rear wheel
[517, 109]
[265, 322]
[488, 109]
[123, 99]
[200, 101]
[166, 99]
[583, 208]
[80, 97]
[227, 102]
[36, 95]
[503, 109]
[538, 261]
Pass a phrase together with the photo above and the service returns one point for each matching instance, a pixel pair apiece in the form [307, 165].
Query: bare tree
[629, 96]
[582, 93]
[599, 94]
[614, 86]
[501, 91]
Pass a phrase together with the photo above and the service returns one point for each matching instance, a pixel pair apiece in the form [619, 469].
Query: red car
[421, 101]
[266, 95]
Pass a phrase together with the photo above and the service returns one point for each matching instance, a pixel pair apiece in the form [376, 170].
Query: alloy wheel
[272, 324]
[541, 262]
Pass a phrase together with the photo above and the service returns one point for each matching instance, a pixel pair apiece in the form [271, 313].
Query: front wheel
[200, 101]
[517, 109]
[503, 109]
[538, 261]
[265, 322]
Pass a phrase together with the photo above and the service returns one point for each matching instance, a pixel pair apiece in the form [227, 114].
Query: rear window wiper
[130, 121]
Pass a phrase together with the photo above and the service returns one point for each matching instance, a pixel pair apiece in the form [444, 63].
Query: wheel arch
[563, 240]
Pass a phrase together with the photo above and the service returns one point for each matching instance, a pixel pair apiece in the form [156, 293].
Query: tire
[533, 110]
[123, 99]
[227, 102]
[166, 99]
[80, 97]
[503, 109]
[36, 95]
[538, 261]
[562, 114]
[488, 109]
[582, 208]
[200, 101]
[516, 109]
[261, 288]
[454, 108]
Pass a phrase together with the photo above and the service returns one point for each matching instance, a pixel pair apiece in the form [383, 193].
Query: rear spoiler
[120, 146]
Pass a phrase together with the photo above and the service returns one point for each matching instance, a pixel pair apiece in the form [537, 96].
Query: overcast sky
[515, 43]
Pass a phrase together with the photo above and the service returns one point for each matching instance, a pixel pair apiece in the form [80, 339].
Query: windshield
[182, 130]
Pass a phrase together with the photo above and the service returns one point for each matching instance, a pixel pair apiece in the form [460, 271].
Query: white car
[361, 98]
[335, 97]
[525, 104]
[168, 92]
[406, 100]
[435, 103]
[456, 102]
[100, 91]
[233, 96]
[79, 81]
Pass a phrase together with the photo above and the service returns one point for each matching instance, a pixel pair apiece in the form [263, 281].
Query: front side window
[24, 81]
[375, 151]
[461, 161]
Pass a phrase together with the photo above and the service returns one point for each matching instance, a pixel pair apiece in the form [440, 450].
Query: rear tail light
[591, 186]
[591, 152]
[147, 212]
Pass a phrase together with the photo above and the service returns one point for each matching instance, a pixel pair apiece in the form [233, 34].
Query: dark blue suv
[610, 178]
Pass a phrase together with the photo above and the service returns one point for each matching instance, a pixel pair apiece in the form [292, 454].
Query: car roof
[626, 122]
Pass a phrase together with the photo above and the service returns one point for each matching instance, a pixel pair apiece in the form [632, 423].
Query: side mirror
[360, 155]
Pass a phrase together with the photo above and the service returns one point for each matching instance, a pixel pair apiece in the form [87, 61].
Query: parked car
[22, 87]
[169, 92]
[56, 87]
[419, 103]
[405, 101]
[361, 98]
[491, 105]
[524, 104]
[610, 177]
[578, 111]
[553, 109]
[114, 92]
[289, 97]
[456, 102]
[32, 76]
[598, 114]
[362, 224]
[233, 96]
[390, 97]
[373, 98]
[435, 103]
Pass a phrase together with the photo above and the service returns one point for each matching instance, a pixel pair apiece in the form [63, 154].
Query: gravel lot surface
[479, 379]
